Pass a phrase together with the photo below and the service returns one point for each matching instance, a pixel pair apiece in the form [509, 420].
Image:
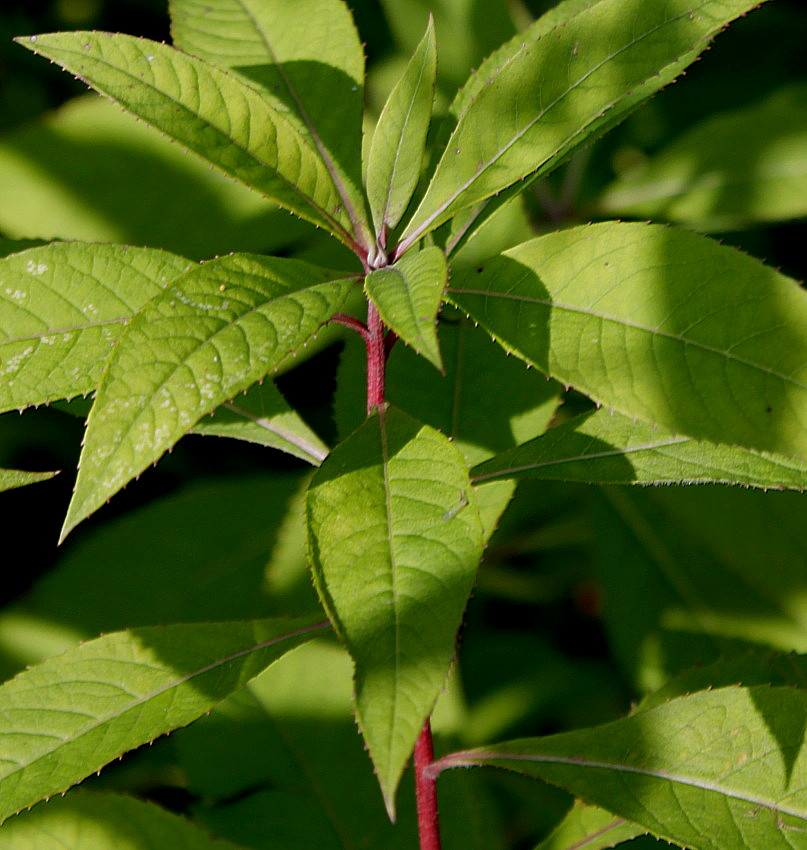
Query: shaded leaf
[307, 61]
[11, 478]
[63, 307]
[394, 542]
[71, 715]
[408, 296]
[591, 828]
[399, 141]
[263, 416]
[104, 822]
[607, 448]
[531, 115]
[214, 332]
[663, 325]
[716, 769]
[733, 170]
[211, 112]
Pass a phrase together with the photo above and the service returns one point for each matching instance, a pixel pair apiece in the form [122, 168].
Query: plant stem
[426, 791]
[376, 358]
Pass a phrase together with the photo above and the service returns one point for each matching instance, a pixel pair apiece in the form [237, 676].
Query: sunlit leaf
[715, 769]
[408, 296]
[71, 715]
[399, 141]
[307, 60]
[211, 334]
[211, 112]
[104, 822]
[607, 448]
[394, 540]
[11, 478]
[562, 90]
[730, 171]
[63, 307]
[591, 828]
[663, 325]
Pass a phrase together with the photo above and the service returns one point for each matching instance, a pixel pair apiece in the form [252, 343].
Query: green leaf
[212, 113]
[607, 448]
[87, 171]
[394, 542]
[307, 61]
[591, 828]
[716, 769]
[11, 478]
[563, 89]
[71, 715]
[263, 416]
[104, 821]
[663, 325]
[730, 171]
[399, 141]
[63, 307]
[211, 334]
[408, 296]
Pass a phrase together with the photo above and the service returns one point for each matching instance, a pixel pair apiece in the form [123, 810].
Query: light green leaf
[394, 542]
[305, 58]
[733, 170]
[408, 296]
[11, 478]
[104, 821]
[211, 112]
[663, 325]
[71, 715]
[591, 828]
[399, 141]
[63, 307]
[561, 91]
[263, 416]
[607, 448]
[211, 334]
[87, 171]
[716, 769]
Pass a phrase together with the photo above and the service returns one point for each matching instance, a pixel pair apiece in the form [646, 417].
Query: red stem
[426, 792]
[376, 358]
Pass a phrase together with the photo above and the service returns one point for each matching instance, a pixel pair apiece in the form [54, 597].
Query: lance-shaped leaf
[717, 769]
[68, 717]
[11, 478]
[561, 90]
[607, 448]
[394, 541]
[663, 325]
[306, 59]
[408, 296]
[399, 141]
[104, 821]
[218, 329]
[263, 416]
[730, 171]
[212, 113]
[590, 827]
[62, 308]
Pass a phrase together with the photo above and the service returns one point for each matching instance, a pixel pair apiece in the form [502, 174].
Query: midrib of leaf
[323, 151]
[393, 565]
[727, 355]
[481, 759]
[344, 235]
[598, 834]
[123, 320]
[399, 146]
[413, 237]
[500, 473]
[154, 694]
[290, 437]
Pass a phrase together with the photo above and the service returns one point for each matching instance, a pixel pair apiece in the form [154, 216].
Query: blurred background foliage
[587, 599]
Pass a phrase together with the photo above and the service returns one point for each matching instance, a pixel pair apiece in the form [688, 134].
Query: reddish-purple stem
[426, 791]
[376, 358]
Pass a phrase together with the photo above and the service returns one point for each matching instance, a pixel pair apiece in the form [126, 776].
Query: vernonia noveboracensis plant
[692, 354]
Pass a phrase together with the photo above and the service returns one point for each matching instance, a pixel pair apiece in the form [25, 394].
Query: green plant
[697, 352]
